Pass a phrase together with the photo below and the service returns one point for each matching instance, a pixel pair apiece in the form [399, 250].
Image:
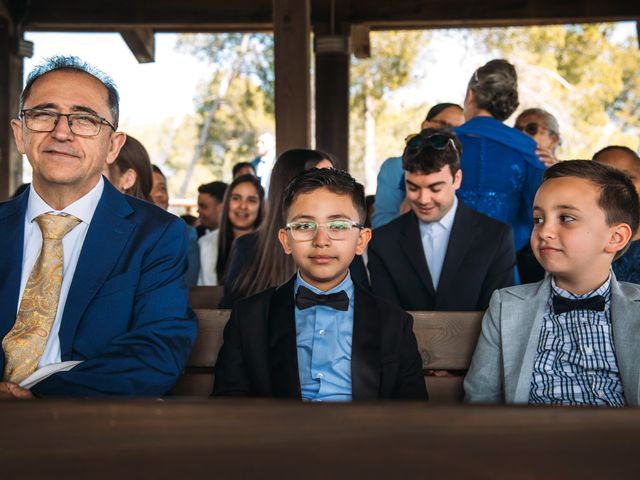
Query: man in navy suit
[122, 325]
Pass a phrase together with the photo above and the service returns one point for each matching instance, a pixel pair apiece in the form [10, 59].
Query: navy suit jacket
[259, 355]
[127, 314]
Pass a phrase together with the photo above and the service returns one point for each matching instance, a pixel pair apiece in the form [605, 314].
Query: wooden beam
[292, 78]
[332, 93]
[141, 42]
[242, 15]
[10, 88]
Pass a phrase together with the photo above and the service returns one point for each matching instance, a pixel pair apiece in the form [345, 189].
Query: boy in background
[319, 336]
[574, 337]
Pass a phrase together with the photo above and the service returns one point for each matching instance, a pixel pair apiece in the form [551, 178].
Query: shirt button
[588, 350]
[320, 375]
[600, 394]
[321, 333]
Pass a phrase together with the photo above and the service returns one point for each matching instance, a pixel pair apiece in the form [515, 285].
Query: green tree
[373, 82]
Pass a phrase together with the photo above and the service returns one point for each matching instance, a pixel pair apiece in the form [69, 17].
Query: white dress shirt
[83, 208]
[435, 241]
[208, 245]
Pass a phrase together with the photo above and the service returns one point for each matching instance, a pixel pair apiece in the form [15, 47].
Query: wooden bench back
[446, 341]
[206, 297]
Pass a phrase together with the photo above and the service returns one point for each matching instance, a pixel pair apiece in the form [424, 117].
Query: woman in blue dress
[501, 171]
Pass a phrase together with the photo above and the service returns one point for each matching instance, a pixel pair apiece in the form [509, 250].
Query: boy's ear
[619, 236]
[284, 241]
[363, 240]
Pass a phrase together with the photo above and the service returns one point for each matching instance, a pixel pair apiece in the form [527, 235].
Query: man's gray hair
[61, 62]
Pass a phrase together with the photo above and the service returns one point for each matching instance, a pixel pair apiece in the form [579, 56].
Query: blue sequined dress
[627, 267]
[500, 173]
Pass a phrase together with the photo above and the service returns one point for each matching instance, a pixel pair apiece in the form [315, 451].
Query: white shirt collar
[83, 208]
[446, 222]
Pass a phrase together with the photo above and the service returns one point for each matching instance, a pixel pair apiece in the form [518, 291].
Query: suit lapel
[366, 348]
[106, 238]
[412, 247]
[460, 242]
[522, 322]
[625, 319]
[283, 351]
[11, 245]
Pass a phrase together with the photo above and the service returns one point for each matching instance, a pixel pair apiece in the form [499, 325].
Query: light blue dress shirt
[324, 337]
[390, 192]
[435, 241]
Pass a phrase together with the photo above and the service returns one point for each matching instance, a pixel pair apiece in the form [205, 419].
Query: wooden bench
[446, 341]
[206, 297]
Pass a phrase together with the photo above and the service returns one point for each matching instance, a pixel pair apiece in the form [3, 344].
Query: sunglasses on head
[416, 141]
[532, 128]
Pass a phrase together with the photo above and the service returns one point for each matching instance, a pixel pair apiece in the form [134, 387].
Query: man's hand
[546, 156]
[10, 391]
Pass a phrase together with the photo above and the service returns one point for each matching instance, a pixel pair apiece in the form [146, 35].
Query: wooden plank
[291, 31]
[445, 390]
[206, 296]
[241, 15]
[141, 42]
[239, 438]
[446, 340]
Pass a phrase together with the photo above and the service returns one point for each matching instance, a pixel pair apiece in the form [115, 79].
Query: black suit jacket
[480, 259]
[259, 355]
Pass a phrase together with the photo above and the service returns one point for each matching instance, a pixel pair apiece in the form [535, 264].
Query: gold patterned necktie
[24, 344]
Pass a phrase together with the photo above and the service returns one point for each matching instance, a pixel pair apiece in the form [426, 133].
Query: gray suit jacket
[502, 364]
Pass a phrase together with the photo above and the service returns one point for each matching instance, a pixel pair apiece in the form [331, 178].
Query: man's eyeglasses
[81, 124]
[532, 128]
[416, 142]
[336, 229]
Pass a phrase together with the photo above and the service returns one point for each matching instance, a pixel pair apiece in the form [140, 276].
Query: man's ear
[16, 126]
[116, 141]
[283, 237]
[619, 236]
[363, 240]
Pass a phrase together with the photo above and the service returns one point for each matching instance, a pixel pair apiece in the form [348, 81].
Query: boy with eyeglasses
[441, 255]
[320, 336]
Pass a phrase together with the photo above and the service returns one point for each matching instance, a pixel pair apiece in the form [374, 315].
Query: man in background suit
[92, 295]
[441, 255]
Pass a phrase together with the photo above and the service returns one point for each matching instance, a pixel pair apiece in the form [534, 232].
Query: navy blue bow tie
[305, 298]
[563, 305]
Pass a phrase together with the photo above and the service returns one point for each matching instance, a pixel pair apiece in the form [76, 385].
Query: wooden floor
[267, 439]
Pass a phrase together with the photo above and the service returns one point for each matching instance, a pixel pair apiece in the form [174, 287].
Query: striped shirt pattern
[576, 360]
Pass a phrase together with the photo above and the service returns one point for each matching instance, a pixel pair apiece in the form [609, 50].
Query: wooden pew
[446, 341]
[206, 297]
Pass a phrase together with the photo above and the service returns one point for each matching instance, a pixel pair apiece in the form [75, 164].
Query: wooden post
[291, 29]
[332, 95]
[10, 88]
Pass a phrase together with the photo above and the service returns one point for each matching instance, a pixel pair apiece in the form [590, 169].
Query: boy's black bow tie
[563, 305]
[305, 298]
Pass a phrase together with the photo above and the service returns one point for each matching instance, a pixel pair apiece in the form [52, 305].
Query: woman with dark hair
[131, 171]
[257, 261]
[242, 212]
[501, 171]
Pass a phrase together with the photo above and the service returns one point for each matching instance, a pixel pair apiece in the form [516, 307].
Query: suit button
[321, 333]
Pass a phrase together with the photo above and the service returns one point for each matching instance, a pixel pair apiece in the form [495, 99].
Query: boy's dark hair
[336, 181]
[618, 196]
[156, 169]
[215, 189]
[426, 158]
[612, 148]
[240, 165]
